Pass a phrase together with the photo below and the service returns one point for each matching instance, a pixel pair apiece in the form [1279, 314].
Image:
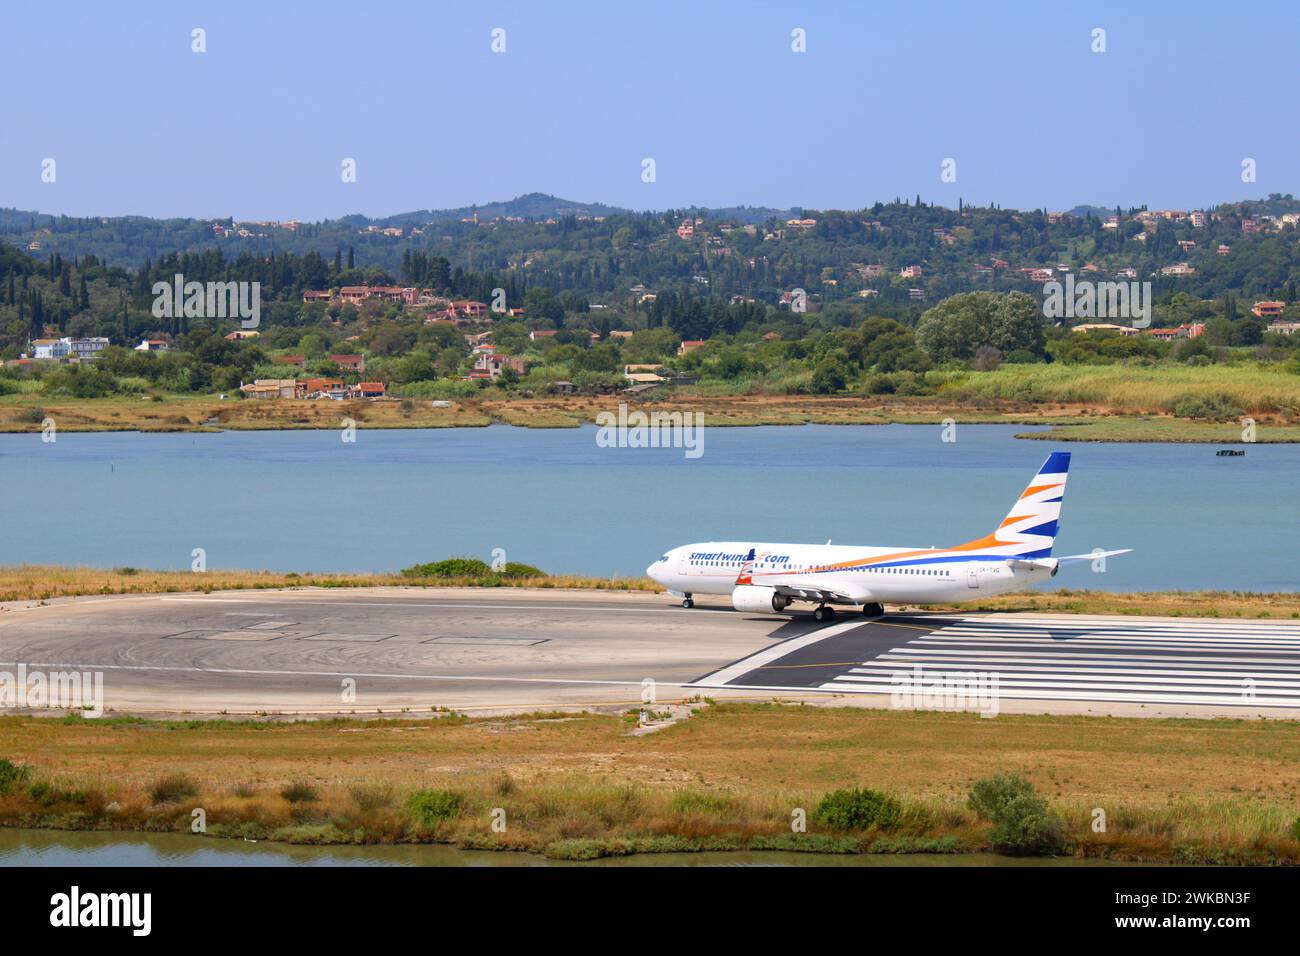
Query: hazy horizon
[620, 209]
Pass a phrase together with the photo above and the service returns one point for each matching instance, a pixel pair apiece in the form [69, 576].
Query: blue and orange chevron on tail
[1029, 530]
[1034, 520]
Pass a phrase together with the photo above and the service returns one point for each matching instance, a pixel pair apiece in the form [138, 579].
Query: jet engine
[757, 597]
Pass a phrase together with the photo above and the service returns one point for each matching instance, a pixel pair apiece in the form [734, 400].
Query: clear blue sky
[257, 126]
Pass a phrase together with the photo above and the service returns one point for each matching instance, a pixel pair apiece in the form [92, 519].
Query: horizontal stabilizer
[1076, 558]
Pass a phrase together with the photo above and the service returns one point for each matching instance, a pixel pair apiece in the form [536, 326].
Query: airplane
[768, 578]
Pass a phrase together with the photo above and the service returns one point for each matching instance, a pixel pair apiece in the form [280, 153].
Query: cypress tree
[37, 327]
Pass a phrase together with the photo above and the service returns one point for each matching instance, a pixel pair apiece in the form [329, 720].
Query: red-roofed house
[1268, 309]
[465, 308]
[349, 363]
[1181, 332]
[688, 346]
[324, 387]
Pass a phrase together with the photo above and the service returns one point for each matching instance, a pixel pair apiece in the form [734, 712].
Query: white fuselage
[864, 574]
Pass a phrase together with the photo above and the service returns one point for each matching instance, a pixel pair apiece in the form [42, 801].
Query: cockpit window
[663, 557]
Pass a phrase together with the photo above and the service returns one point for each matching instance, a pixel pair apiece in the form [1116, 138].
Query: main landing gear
[823, 614]
[873, 610]
[687, 602]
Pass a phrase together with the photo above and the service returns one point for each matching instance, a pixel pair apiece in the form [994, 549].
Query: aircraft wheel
[823, 614]
[688, 603]
[873, 610]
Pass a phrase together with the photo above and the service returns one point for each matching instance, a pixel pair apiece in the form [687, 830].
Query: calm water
[52, 848]
[306, 501]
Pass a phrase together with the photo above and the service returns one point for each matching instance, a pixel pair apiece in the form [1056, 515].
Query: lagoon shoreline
[1062, 421]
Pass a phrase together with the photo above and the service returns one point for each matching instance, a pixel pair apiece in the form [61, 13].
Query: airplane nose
[650, 571]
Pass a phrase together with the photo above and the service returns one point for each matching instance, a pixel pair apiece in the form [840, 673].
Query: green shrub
[10, 774]
[575, 850]
[431, 807]
[80, 381]
[450, 568]
[299, 792]
[464, 567]
[172, 788]
[858, 810]
[880, 384]
[514, 569]
[1021, 357]
[1022, 823]
[443, 388]
[1217, 407]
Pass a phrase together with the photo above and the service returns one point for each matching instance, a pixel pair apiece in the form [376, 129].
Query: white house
[49, 348]
[86, 349]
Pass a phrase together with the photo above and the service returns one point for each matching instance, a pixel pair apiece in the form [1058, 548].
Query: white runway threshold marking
[1201, 662]
[775, 652]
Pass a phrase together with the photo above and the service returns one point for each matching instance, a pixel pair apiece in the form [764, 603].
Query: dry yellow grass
[1121, 396]
[1163, 429]
[1218, 789]
[196, 413]
[1282, 604]
[1257, 389]
[34, 582]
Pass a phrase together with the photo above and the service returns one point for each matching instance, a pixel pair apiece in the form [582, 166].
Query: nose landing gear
[687, 602]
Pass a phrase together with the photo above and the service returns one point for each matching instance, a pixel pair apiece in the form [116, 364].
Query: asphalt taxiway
[318, 651]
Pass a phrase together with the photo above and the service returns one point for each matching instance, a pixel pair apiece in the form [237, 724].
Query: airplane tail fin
[1032, 524]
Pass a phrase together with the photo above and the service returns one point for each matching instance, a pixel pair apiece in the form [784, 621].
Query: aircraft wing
[808, 592]
[802, 591]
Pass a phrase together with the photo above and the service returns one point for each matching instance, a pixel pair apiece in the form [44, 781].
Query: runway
[399, 650]
[1225, 666]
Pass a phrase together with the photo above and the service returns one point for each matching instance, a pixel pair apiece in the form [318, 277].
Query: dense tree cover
[604, 257]
[633, 273]
[875, 355]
